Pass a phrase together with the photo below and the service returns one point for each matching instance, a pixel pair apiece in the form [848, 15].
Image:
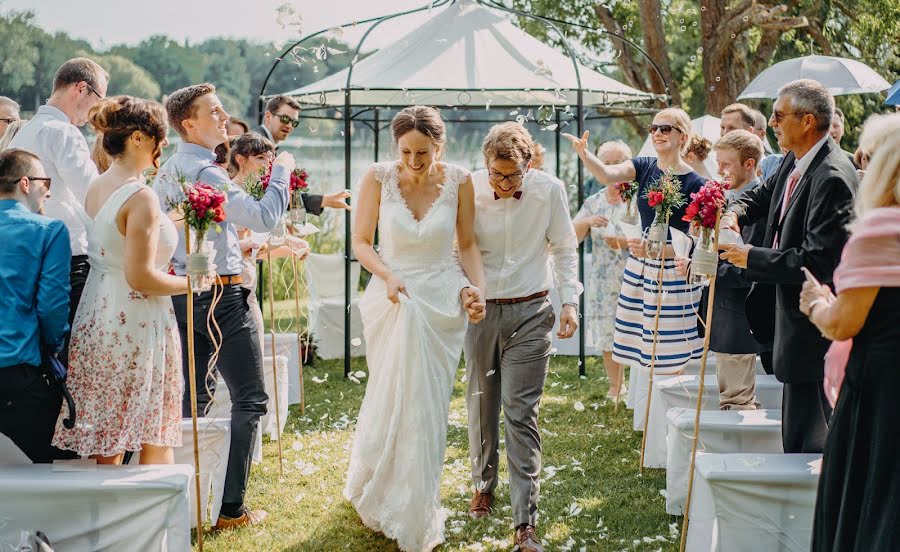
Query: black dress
[858, 504]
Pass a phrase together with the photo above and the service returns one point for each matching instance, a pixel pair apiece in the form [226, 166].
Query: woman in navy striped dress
[679, 341]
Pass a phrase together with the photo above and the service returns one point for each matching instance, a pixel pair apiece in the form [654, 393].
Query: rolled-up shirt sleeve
[52, 299]
[563, 249]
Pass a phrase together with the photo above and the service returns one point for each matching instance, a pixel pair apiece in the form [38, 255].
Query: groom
[521, 223]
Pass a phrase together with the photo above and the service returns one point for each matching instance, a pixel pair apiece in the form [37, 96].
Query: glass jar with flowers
[703, 212]
[664, 196]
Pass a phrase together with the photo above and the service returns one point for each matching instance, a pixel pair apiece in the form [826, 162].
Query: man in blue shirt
[196, 113]
[34, 283]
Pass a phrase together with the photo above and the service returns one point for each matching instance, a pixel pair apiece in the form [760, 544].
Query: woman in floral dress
[125, 353]
[600, 213]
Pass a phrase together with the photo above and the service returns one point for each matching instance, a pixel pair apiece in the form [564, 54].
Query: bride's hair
[116, 119]
[423, 118]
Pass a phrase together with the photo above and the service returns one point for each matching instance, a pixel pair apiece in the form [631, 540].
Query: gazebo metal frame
[374, 123]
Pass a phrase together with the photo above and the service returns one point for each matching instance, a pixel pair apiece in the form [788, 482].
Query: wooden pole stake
[192, 385]
[274, 357]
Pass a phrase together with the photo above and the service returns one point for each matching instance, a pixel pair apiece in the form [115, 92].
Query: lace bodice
[405, 241]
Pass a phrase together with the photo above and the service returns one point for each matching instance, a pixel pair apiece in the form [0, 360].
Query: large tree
[18, 52]
[708, 51]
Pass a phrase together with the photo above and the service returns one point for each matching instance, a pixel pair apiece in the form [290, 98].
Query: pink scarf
[870, 259]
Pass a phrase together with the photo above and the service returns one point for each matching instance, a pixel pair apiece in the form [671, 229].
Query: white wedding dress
[412, 349]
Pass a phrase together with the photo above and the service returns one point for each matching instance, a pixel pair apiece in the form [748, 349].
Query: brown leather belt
[229, 280]
[514, 300]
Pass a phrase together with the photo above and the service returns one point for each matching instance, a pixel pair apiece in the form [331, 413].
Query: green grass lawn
[592, 497]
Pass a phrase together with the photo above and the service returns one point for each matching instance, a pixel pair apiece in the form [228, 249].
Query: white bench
[721, 431]
[98, 508]
[681, 391]
[753, 502]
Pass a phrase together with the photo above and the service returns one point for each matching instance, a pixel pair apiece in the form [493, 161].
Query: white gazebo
[467, 55]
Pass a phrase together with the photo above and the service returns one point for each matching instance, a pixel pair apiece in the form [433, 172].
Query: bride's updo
[423, 118]
[116, 119]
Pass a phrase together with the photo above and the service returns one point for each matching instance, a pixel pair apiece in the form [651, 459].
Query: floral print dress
[125, 352]
[605, 277]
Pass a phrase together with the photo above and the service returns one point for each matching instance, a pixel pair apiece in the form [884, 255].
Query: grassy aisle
[592, 497]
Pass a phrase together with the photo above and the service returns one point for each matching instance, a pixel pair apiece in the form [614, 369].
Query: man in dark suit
[737, 154]
[806, 205]
[282, 116]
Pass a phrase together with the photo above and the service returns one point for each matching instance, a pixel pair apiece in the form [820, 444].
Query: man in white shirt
[527, 244]
[9, 113]
[53, 135]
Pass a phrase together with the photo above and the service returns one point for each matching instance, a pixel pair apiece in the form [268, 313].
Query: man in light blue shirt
[34, 284]
[196, 113]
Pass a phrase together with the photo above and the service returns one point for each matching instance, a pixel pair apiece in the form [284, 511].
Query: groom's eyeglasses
[286, 120]
[514, 178]
[665, 129]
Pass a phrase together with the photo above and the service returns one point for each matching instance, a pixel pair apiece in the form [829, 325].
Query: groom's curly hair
[509, 140]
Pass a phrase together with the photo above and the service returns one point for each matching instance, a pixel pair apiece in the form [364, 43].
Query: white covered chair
[325, 279]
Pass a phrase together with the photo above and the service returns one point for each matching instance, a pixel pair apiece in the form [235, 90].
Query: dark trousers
[766, 358]
[29, 406]
[77, 278]
[240, 363]
[805, 413]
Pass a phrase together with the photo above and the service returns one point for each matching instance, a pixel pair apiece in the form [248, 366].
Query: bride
[414, 321]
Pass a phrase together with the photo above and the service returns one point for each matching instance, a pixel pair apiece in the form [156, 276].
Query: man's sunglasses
[665, 129]
[40, 178]
[286, 120]
[91, 88]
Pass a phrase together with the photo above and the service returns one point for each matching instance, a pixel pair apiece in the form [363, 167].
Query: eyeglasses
[777, 116]
[91, 88]
[286, 120]
[514, 178]
[665, 129]
[8, 120]
[40, 178]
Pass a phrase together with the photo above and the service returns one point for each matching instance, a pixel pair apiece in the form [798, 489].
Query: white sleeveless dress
[413, 350]
[125, 352]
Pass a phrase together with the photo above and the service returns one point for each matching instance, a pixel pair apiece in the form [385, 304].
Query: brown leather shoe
[247, 519]
[481, 505]
[526, 539]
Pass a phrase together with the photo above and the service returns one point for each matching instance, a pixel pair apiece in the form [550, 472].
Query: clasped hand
[474, 303]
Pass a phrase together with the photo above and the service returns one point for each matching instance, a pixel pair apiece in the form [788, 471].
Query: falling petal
[490, 373]
[579, 406]
[356, 342]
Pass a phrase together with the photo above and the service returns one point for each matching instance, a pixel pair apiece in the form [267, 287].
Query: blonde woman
[678, 341]
[857, 506]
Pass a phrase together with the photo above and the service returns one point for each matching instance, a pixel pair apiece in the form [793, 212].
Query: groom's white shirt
[518, 238]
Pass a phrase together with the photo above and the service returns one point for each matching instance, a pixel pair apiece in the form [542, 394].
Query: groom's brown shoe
[526, 539]
[481, 505]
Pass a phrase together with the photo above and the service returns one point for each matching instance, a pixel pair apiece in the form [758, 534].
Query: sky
[108, 22]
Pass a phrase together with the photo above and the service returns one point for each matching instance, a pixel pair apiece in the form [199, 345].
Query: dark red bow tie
[517, 194]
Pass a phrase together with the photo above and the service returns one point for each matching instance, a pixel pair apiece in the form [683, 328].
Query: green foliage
[128, 78]
[18, 51]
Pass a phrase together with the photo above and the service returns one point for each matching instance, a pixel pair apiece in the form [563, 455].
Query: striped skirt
[679, 341]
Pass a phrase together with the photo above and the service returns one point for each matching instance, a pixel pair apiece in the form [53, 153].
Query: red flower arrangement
[705, 204]
[257, 187]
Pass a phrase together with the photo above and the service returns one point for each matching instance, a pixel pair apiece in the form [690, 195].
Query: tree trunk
[655, 45]
[725, 70]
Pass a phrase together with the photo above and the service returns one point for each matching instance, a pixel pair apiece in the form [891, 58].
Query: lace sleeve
[386, 173]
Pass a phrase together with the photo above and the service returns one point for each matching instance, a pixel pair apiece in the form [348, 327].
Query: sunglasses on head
[286, 120]
[665, 129]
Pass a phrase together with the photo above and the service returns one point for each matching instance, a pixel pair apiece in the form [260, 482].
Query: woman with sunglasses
[249, 157]
[679, 341]
[125, 352]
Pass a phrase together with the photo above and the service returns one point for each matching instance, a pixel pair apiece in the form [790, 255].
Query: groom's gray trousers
[507, 357]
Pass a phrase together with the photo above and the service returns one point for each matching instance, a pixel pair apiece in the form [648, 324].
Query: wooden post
[301, 357]
[659, 298]
[274, 356]
[706, 336]
[619, 394]
[192, 385]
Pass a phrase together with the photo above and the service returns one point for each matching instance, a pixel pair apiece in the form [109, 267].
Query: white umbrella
[839, 75]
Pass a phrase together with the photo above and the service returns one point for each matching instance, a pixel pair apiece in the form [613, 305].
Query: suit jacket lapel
[804, 180]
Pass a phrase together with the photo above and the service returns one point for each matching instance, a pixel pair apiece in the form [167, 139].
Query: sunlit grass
[592, 497]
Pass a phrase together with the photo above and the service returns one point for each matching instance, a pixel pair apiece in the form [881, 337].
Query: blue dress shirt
[35, 260]
[192, 163]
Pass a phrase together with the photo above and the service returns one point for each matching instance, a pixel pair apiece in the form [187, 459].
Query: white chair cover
[721, 431]
[681, 391]
[753, 502]
[325, 278]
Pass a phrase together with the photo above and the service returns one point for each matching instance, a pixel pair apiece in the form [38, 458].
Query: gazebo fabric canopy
[469, 55]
